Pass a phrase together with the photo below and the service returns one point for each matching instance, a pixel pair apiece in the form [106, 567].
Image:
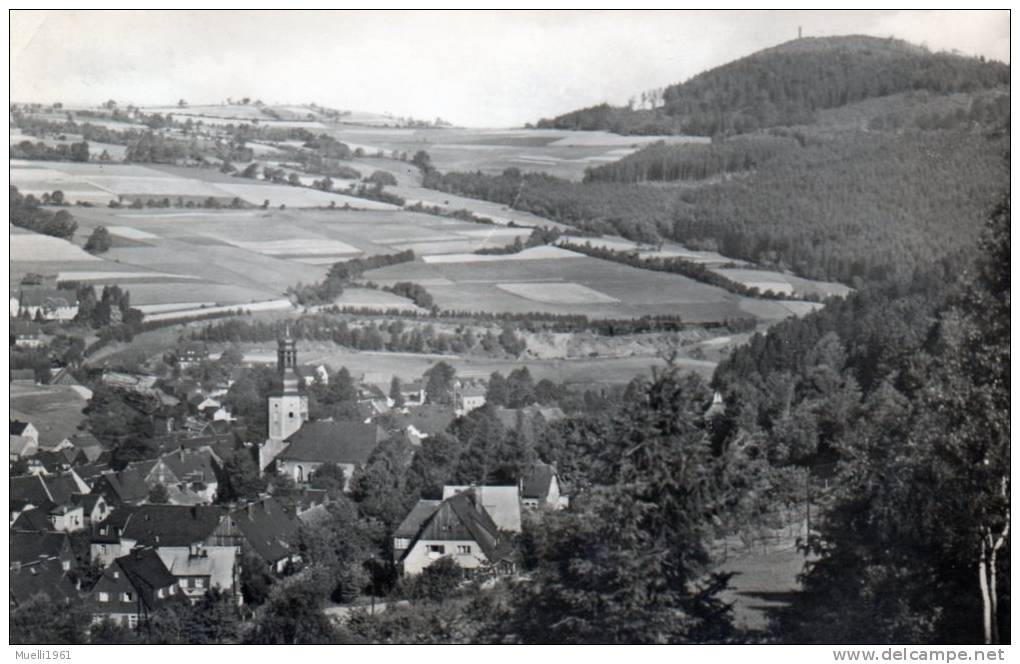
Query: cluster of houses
[153, 526]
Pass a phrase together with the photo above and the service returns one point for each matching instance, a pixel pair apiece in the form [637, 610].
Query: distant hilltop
[786, 85]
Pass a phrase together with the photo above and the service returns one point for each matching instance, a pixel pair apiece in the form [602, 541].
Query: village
[209, 506]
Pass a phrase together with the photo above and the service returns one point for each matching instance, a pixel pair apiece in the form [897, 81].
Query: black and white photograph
[510, 327]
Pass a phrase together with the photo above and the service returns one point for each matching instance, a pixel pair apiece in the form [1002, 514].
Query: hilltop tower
[288, 407]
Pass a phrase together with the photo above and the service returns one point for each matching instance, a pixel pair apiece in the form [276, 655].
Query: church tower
[288, 407]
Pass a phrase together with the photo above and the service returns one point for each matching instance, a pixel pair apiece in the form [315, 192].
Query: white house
[458, 528]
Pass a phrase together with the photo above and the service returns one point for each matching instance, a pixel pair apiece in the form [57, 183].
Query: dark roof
[144, 568]
[141, 573]
[124, 486]
[166, 525]
[462, 517]
[18, 427]
[413, 522]
[39, 488]
[333, 442]
[30, 546]
[47, 577]
[536, 480]
[53, 462]
[191, 465]
[58, 297]
[25, 328]
[35, 519]
[267, 527]
[88, 501]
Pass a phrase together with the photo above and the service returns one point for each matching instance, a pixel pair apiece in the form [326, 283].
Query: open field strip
[174, 306]
[131, 233]
[535, 253]
[267, 305]
[298, 196]
[309, 247]
[117, 276]
[557, 292]
[175, 215]
[30, 247]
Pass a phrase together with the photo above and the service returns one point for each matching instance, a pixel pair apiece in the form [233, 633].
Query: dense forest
[788, 84]
[895, 400]
[664, 162]
[856, 207]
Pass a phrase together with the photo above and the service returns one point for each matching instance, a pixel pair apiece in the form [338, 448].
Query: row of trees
[392, 335]
[25, 212]
[340, 276]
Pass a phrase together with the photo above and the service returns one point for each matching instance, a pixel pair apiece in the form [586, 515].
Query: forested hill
[787, 84]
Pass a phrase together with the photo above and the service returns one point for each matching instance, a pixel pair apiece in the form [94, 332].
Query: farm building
[49, 303]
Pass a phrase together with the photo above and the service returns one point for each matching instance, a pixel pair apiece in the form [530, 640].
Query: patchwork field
[98, 184]
[561, 153]
[780, 282]
[553, 280]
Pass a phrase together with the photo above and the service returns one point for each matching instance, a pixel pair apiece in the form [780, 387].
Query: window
[463, 549]
[290, 414]
[127, 597]
[133, 621]
[200, 583]
[159, 593]
[401, 543]
[437, 548]
[104, 597]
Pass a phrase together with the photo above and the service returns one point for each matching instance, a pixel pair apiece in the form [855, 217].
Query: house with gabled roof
[346, 444]
[459, 528]
[48, 576]
[540, 487]
[191, 540]
[131, 588]
[267, 529]
[24, 440]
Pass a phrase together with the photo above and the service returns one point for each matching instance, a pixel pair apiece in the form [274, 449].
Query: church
[288, 406]
[298, 447]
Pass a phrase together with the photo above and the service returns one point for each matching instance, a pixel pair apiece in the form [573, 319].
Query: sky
[478, 69]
